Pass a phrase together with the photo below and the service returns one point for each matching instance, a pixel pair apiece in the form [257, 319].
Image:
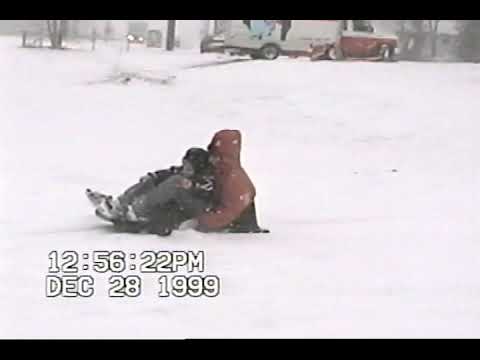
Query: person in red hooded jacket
[234, 193]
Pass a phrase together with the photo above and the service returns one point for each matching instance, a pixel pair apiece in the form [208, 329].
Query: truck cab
[359, 39]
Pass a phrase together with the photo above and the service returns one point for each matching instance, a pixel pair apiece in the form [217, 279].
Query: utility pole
[171, 35]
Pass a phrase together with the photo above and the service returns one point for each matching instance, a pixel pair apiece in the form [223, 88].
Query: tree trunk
[56, 32]
[62, 32]
[50, 32]
[171, 35]
[403, 38]
[419, 38]
[52, 27]
[434, 36]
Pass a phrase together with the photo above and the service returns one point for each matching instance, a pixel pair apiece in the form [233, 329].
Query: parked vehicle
[213, 44]
[137, 32]
[268, 39]
[358, 40]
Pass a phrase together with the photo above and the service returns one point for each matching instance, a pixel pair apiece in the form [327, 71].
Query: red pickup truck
[357, 39]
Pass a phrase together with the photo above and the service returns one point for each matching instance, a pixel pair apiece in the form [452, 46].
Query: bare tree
[415, 36]
[433, 29]
[171, 24]
[57, 30]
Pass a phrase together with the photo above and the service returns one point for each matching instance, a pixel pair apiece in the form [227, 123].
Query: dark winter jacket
[199, 197]
[203, 179]
[202, 183]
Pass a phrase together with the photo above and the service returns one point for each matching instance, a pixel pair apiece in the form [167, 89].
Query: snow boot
[95, 197]
[247, 223]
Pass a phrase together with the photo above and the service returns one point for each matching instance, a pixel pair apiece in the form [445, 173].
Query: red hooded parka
[235, 191]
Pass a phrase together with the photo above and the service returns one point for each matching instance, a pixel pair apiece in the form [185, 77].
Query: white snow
[367, 175]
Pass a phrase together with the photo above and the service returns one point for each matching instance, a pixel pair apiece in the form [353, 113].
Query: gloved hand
[184, 183]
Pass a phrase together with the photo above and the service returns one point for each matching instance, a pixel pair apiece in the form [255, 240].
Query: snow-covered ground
[367, 175]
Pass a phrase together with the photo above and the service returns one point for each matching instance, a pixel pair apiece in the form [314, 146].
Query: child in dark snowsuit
[162, 200]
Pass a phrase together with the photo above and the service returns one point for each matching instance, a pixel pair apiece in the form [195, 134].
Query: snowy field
[367, 175]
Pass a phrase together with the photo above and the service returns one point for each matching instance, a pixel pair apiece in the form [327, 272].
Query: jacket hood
[227, 144]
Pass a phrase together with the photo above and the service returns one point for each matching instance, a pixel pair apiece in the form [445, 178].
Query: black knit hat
[199, 158]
